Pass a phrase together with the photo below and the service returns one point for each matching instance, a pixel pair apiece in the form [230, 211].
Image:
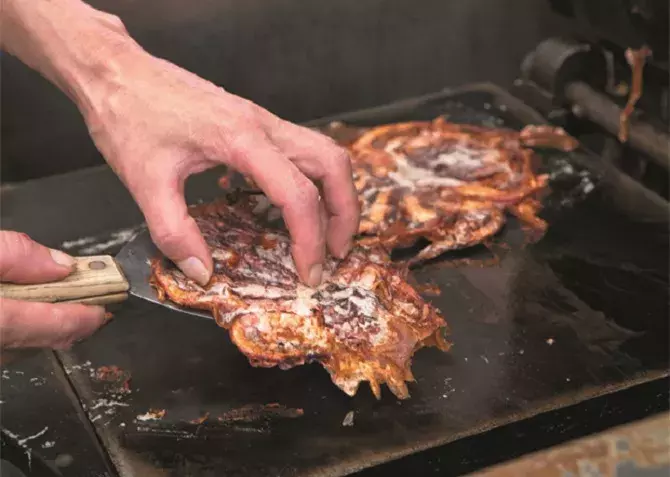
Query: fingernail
[315, 274]
[106, 318]
[194, 269]
[346, 249]
[62, 258]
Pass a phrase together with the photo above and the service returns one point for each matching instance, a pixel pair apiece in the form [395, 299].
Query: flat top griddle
[582, 313]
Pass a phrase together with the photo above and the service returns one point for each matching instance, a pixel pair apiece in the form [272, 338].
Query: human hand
[157, 124]
[26, 324]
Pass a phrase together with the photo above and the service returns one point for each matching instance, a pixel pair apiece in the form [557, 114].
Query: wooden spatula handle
[96, 280]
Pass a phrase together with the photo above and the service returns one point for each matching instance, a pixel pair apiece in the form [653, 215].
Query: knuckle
[172, 236]
[306, 192]
[232, 138]
[242, 146]
[58, 322]
[15, 240]
[24, 246]
[245, 110]
[21, 236]
[244, 138]
[116, 23]
[248, 115]
[242, 115]
[165, 237]
[340, 159]
[16, 248]
[67, 324]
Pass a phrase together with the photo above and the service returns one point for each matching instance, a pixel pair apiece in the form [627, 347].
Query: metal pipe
[603, 111]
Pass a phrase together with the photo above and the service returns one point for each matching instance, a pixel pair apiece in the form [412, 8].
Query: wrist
[92, 80]
[81, 50]
[90, 68]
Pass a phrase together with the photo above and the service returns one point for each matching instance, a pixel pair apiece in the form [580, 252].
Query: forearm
[78, 48]
[156, 124]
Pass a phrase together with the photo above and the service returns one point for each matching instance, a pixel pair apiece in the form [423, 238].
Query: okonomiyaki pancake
[448, 183]
[363, 323]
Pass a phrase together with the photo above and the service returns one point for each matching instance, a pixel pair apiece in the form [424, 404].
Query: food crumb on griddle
[429, 289]
[348, 419]
[117, 378]
[152, 415]
[200, 420]
[109, 373]
[260, 412]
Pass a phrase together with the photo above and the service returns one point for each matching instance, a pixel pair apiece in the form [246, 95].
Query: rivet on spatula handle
[97, 280]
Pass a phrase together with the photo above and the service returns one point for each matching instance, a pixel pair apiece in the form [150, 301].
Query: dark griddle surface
[582, 313]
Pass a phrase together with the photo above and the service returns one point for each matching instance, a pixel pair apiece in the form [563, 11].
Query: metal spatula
[102, 280]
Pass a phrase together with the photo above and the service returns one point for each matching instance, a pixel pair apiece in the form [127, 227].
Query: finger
[43, 325]
[172, 229]
[23, 260]
[296, 196]
[318, 157]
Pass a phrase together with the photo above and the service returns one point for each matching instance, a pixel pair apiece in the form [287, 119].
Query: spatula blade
[135, 261]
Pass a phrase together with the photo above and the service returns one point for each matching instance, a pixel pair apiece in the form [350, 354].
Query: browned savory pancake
[363, 323]
[444, 182]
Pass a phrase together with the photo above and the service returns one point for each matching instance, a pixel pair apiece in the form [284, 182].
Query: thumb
[23, 260]
[175, 232]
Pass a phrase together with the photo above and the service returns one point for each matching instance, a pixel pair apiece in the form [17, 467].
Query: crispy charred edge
[529, 136]
[374, 365]
[430, 329]
[346, 365]
[399, 235]
[440, 242]
[547, 137]
[154, 281]
[386, 372]
[166, 287]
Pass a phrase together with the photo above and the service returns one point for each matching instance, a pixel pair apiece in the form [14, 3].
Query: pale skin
[156, 124]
